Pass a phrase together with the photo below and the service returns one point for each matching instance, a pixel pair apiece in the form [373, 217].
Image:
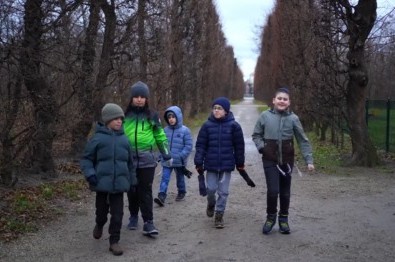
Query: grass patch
[377, 128]
[196, 121]
[327, 156]
[25, 209]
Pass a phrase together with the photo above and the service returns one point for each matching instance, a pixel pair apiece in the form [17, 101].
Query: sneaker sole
[153, 233]
[131, 228]
[160, 203]
[116, 253]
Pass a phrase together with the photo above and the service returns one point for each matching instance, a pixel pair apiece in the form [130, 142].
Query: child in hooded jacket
[273, 136]
[146, 135]
[180, 144]
[219, 148]
[107, 166]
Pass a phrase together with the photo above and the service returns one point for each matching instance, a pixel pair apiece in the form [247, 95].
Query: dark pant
[141, 198]
[114, 203]
[278, 184]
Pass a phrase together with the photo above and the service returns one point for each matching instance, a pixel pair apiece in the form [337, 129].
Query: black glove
[186, 172]
[92, 180]
[244, 175]
[200, 170]
[166, 157]
[133, 189]
[202, 185]
[260, 150]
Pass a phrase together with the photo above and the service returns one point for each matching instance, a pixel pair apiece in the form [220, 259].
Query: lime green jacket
[145, 137]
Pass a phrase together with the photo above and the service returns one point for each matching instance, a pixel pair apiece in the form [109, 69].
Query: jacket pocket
[270, 150]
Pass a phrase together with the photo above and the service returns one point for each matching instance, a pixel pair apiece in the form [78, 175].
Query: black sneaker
[269, 224]
[180, 197]
[210, 211]
[149, 229]
[283, 224]
[97, 232]
[160, 200]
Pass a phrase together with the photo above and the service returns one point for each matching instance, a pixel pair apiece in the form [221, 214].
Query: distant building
[249, 86]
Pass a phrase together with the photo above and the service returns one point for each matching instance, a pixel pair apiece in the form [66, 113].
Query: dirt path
[347, 217]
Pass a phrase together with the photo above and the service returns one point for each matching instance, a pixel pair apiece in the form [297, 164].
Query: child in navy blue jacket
[180, 144]
[219, 148]
[107, 166]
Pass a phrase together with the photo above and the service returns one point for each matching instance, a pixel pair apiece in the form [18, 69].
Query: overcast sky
[241, 21]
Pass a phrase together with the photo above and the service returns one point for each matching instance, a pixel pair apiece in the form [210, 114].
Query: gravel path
[346, 217]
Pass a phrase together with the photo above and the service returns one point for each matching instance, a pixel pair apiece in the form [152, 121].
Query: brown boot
[97, 232]
[116, 249]
[219, 221]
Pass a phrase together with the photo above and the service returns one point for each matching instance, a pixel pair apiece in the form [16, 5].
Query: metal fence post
[387, 135]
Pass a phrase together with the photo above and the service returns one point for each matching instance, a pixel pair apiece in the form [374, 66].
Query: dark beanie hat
[224, 102]
[283, 89]
[111, 111]
[139, 89]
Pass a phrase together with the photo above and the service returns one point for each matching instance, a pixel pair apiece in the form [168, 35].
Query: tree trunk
[42, 95]
[7, 164]
[141, 42]
[86, 84]
[105, 65]
[360, 23]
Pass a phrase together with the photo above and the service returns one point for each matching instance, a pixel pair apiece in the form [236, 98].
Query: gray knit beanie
[111, 111]
[139, 89]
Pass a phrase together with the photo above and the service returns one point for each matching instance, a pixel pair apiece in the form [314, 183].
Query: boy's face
[281, 101]
[171, 118]
[115, 124]
[218, 111]
[139, 101]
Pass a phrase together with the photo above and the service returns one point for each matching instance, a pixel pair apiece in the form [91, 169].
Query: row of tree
[332, 55]
[60, 61]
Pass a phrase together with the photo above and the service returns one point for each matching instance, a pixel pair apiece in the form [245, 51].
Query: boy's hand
[310, 167]
[202, 185]
[200, 170]
[186, 172]
[166, 157]
[92, 180]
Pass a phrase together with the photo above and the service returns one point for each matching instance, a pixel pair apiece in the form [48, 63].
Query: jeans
[106, 202]
[142, 198]
[218, 182]
[166, 175]
[278, 186]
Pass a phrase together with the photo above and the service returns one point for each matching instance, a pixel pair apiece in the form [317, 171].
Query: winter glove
[260, 150]
[133, 189]
[200, 170]
[92, 180]
[186, 172]
[202, 185]
[245, 176]
[166, 157]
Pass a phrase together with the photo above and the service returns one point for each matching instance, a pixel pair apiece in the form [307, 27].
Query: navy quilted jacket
[220, 144]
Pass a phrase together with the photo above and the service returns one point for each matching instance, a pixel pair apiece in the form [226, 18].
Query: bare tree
[359, 21]
[42, 95]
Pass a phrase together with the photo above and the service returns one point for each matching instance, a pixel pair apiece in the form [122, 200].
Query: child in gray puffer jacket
[273, 136]
[107, 166]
